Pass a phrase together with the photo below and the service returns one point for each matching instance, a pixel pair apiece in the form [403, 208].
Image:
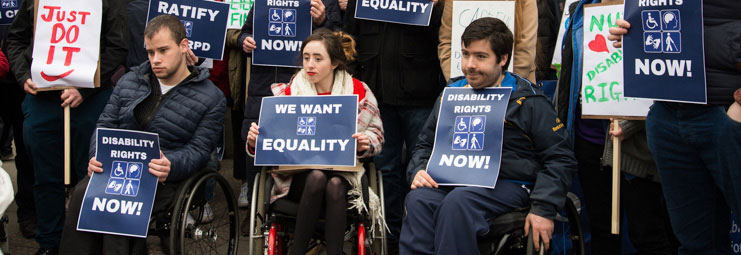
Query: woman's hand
[252, 135]
[363, 141]
[616, 33]
[317, 11]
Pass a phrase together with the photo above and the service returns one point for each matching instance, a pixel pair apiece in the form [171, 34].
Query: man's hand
[317, 11]
[252, 135]
[343, 5]
[71, 97]
[615, 130]
[542, 229]
[363, 141]
[160, 167]
[94, 166]
[29, 87]
[249, 44]
[190, 58]
[616, 33]
[422, 179]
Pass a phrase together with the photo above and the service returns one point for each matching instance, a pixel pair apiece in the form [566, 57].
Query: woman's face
[317, 63]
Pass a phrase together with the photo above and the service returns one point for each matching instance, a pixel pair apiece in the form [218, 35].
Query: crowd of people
[680, 166]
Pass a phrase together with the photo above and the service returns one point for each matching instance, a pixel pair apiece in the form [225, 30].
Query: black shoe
[165, 242]
[47, 251]
[27, 228]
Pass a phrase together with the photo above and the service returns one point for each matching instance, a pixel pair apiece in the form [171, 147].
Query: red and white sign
[67, 43]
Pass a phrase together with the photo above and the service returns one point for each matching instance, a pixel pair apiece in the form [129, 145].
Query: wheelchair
[271, 223]
[507, 234]
[203, 218]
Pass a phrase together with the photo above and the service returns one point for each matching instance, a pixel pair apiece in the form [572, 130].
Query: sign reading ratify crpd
[119, 201]
[279, 29]
[664, 56]
[66, 43]
[8, 10]
[410, 12]
[205, 23]
[307, 130]
[468, 137]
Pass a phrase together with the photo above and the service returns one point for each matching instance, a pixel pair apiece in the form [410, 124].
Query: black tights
[319, 185]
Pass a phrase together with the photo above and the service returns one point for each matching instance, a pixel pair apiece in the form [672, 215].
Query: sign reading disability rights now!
[468, 137]
[279, 28]
[204, 21]
[664, 56]
[119, 200]
[307, 130]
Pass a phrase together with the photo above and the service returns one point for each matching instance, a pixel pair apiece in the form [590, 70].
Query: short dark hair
[172, 23]
[340, 46]
[492, 29]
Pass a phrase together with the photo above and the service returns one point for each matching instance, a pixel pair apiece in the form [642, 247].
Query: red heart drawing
[598, 44]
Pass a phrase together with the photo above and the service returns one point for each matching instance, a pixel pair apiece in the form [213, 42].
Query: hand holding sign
[317, 11]
[160, 167]
[30, 87]
[94, 166]
[363, 141]
[71, 97]
[616, 33]
[252, 135]
[422, 179]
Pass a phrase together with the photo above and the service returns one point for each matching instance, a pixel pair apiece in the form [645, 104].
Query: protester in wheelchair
[161, 96]
[536, 162]
[325, 55]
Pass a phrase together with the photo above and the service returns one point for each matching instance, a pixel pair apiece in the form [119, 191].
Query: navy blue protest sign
[119, 200]
[664, 56]
[204, 21]
[8, 10]
[468, 137]
[279, 28]
[410, 12]
[307, 130]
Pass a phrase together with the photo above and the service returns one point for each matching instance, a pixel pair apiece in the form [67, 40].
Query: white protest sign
[602, 75]
[67, 43]
[465, 12]
[556, 61]
[238, 10]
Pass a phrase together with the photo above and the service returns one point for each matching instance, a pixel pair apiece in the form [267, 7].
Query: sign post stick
[615, 229]
[67, 146]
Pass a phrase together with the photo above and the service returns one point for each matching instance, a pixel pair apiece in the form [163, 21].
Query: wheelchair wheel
[205, 220]
[257, 214]
[577, 233]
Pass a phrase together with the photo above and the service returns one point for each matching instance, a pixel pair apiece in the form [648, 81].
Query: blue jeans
[401, 125]
[43, 133]
[697, 149]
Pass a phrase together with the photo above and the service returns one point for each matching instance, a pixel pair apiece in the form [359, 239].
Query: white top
[165, 88]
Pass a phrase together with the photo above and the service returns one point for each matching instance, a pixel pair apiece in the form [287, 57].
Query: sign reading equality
[307, 130]
[279, 29]
[205, 23]
[468, 137]
[410, 12]
[119, 200]
[664, 56]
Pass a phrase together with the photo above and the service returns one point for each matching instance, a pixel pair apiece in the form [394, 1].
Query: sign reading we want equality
[410, 12]
[602, 75]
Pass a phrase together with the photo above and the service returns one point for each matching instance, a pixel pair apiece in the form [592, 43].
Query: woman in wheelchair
[325, 55]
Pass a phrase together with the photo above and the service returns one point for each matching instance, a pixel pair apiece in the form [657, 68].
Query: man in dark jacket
[400, 64]
[154, 97]
[324, 13]
[535, 156]
[42, 129]
[697, 147]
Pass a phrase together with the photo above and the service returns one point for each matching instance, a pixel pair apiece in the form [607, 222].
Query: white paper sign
[66, 43]
[238, 10]
[602, 74]
[556, 61]
[465, 12]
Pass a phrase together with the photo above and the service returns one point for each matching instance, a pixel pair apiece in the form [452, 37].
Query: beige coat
[526, 35]
[239, 73]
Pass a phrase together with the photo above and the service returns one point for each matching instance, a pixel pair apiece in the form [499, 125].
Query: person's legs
[334, 231]
[73, 241]
[464, 212]
[389, 163]
[698, 213]
[418, 231]
[648, 222]
[308, 208]
[24, 172]
[595, 181]
[42, 132]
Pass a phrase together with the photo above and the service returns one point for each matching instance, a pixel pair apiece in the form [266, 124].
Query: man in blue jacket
[162, 96]
[536, 168]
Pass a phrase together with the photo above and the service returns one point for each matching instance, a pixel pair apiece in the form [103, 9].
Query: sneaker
[208, 215]
[244, 200]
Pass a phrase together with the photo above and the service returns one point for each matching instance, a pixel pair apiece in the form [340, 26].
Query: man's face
[165, 55]
[479, 64]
